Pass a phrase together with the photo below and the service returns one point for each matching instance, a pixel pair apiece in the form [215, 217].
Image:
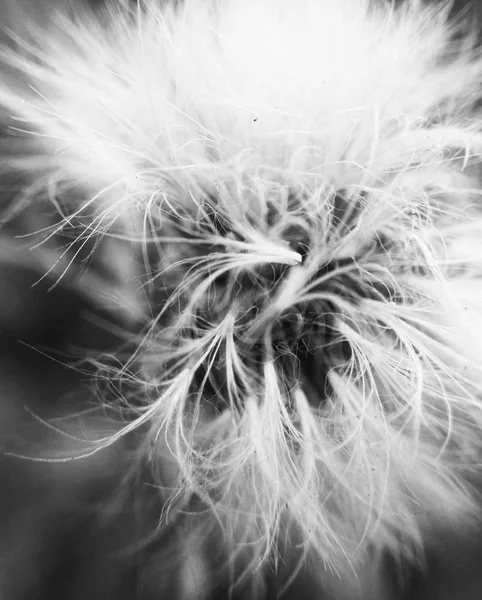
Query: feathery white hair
[297, 186]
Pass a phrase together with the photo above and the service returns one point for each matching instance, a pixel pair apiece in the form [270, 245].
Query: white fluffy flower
[297, 185]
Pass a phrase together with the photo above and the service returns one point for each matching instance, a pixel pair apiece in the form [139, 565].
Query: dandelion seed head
[307, 364]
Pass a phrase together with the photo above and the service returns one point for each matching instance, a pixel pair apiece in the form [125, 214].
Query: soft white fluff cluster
[296, 183]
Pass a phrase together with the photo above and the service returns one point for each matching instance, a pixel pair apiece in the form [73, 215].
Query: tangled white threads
[297, 182]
